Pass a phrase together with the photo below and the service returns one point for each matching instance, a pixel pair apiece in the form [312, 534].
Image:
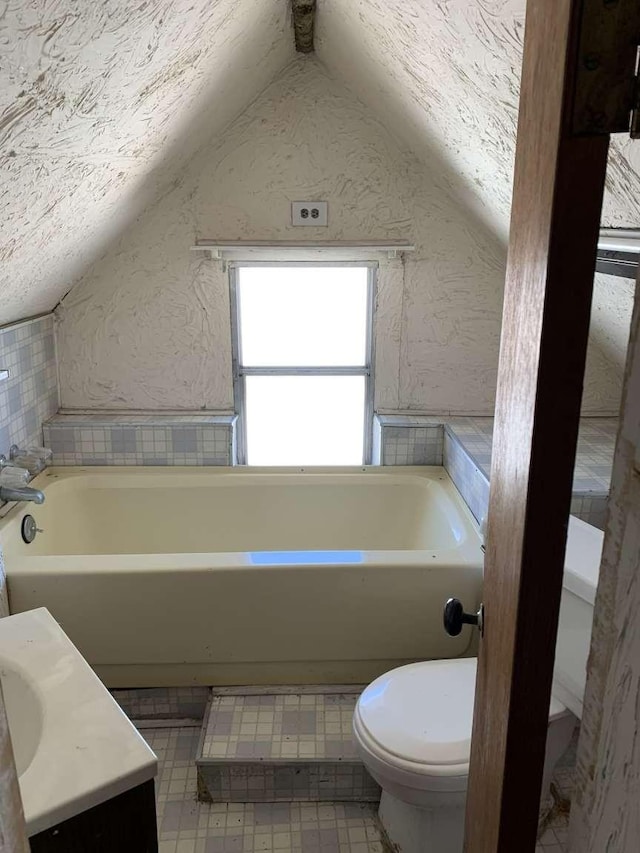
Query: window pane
[302, 316]
[305, 420]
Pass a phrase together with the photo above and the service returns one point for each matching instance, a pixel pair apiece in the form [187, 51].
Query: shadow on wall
[122, 100]
[148, 325]
[447, 77]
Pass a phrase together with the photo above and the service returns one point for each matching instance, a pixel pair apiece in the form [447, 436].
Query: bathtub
[247, 576]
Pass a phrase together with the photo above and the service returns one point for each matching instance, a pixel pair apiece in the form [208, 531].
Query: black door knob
[455, 617]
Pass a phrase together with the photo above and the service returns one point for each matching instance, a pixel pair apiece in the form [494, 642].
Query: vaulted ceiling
[103, 103]
[446, 74]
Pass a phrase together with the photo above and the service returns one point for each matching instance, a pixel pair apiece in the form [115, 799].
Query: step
[281, 745]
[185, 704]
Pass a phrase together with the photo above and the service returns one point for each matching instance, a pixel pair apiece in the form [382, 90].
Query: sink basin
[24, 715]
[74, 747]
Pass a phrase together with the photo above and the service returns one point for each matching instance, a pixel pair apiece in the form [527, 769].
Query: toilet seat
[413, 724]
[396, 774]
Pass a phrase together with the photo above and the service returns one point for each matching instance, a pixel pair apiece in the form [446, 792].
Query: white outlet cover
[310, 213]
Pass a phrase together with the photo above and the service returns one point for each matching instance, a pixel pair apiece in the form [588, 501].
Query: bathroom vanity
[86, 775]
[124, 824]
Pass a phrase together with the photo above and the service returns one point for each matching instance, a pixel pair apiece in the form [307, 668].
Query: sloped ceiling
[446, 74]
[101, 104]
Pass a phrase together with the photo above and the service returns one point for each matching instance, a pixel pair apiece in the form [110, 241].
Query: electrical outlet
[313, 213]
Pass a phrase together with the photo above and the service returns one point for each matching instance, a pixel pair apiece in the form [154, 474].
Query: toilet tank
[581, 569]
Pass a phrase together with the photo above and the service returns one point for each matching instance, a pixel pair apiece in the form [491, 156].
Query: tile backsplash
[594, 457]
[29, 395]
[400, 440]
[591, 476]
[464, 444]
[141, 439]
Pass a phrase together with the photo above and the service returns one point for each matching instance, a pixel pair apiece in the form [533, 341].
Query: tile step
[163, 703]
[281, 746]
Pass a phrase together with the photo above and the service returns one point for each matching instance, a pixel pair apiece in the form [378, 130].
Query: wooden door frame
[13, 832]
[557, 198]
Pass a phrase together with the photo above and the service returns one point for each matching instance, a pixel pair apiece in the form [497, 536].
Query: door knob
[455, 617]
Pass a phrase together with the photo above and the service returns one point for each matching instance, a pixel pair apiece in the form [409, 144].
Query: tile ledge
[122, 419]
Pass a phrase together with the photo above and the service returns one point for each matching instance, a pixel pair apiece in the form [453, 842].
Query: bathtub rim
[61, 478]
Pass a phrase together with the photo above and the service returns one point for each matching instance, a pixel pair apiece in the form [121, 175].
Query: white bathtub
[232, 576]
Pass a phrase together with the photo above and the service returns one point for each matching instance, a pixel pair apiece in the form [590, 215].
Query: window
[302, 362]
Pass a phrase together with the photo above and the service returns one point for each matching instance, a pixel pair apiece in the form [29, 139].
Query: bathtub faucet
[25, 493]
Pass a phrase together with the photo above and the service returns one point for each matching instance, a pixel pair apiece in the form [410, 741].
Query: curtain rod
[619, 240]
[218, 247]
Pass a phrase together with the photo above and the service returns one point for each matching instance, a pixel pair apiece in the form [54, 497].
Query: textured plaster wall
[605, 814]
[446, 76]
[104, 105]
[100, 104]
[148, 326]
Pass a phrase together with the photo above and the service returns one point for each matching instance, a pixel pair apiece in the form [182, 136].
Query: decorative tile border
[141, 440]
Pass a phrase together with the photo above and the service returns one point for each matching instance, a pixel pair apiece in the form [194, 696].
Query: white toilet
[413, 724]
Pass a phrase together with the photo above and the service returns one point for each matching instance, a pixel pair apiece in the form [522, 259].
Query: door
[577, 86]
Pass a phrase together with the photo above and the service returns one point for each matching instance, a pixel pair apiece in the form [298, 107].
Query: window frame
[239, 371]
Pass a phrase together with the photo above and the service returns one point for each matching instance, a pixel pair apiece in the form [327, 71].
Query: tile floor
[555, 837]
[283, 746]
[293, 726]
[187, 826]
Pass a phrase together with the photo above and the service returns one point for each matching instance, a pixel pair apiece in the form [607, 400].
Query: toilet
[412, 725]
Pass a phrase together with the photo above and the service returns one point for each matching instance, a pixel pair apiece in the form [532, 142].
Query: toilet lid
[422, 712]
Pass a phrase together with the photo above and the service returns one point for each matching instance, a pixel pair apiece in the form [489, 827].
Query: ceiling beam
[304, 13]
